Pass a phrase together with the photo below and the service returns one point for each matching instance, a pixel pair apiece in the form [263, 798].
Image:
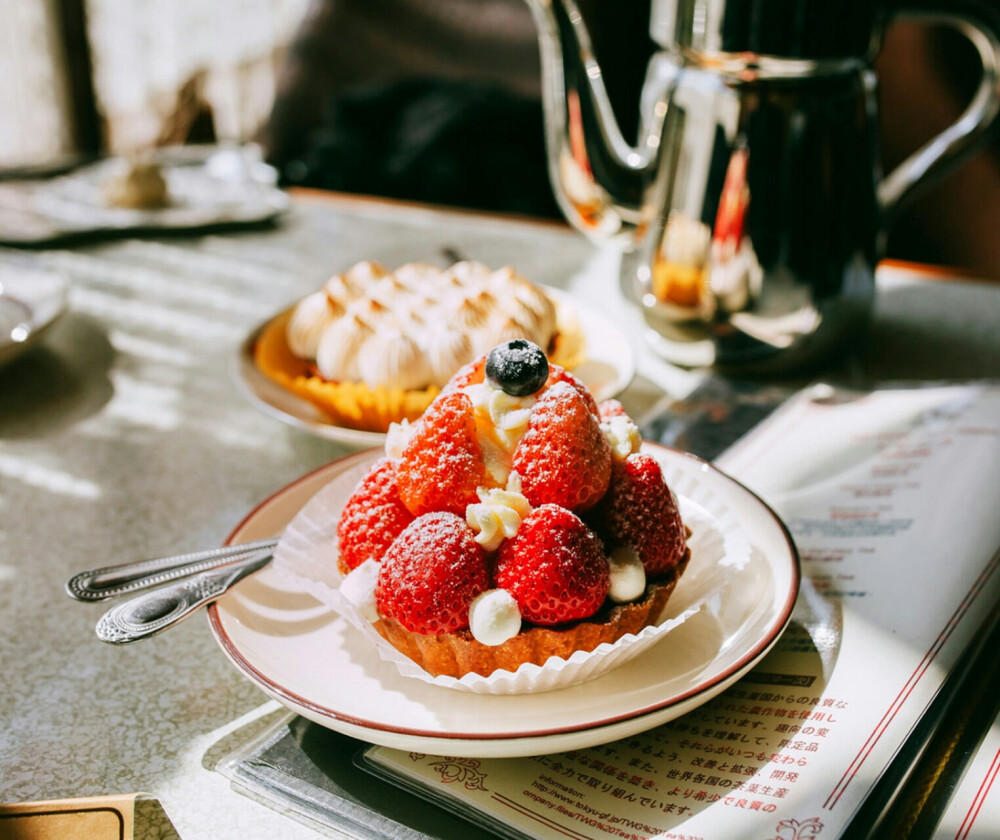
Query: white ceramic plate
[306, 656]
[607, 370]
[31, 299]
[208, 188]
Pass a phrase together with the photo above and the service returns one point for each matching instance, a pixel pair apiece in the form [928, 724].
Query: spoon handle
[111, 581]
[151, 612]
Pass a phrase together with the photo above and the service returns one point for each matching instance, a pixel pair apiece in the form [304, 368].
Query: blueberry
[517, 367]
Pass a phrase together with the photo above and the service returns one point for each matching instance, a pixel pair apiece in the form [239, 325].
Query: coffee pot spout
[599, 179]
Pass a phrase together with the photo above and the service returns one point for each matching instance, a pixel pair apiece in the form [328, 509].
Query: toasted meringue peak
[339, 346]
[543, 311]
[502, 278]
[362, 274]
[392, 359]
[470, 274]
[485, 300]
[417, 275]
[311, 316]
[468, 315]
[390, 290]
[344, 288]
[504, 328]
[447, 350]
[373, 312]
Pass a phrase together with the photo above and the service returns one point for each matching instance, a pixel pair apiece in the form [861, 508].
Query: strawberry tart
[515, 521]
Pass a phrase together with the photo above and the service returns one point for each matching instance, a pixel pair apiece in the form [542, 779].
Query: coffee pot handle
[960, 138]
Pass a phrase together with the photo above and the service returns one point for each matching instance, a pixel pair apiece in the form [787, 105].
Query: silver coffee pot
[752, 210]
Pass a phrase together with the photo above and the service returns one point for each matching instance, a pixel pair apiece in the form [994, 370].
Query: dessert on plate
[374, 346]
[515, 521]
[139, 184]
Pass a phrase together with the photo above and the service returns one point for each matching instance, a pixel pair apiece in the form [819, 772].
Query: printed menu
[891, 496]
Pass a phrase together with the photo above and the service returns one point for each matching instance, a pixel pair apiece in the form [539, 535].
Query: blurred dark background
[428, 100]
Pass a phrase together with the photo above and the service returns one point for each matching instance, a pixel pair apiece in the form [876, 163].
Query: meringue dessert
[373, 346]
[139, 186]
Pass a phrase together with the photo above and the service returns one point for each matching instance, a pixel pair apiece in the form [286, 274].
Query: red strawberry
[372, 518]
[442, 464]
[472, 374]
[558, 374]
[554, 567]
[430, 574]
[639, 510]
[563, 457]
[611, 408]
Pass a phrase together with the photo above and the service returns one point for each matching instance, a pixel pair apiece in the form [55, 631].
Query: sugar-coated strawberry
[639, 510]
[554, 567]
[563, 457]
[471, 374]
[442, 464]
[431, 573]
[611, 408]
[372, 518]
[559, 374]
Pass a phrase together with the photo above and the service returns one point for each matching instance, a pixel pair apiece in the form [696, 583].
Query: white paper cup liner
[307, 552]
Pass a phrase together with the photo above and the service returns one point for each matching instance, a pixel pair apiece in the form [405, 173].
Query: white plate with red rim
[606, 371]
[309, 658]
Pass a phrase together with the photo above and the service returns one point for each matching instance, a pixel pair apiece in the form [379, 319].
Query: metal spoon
[152, 612]
[125, 578]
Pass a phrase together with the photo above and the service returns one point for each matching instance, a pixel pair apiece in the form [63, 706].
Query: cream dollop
[310, 318]
[628, 576]
[358, 588]
[501, 421]
[397, 437]
[494, 617]
[498, 514]
[392, 359]
[623, 435]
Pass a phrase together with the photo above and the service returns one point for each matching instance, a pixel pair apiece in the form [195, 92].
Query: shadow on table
[59, 382]
[151, 822]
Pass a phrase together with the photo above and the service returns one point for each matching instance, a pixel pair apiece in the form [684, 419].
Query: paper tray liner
[458, 653]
